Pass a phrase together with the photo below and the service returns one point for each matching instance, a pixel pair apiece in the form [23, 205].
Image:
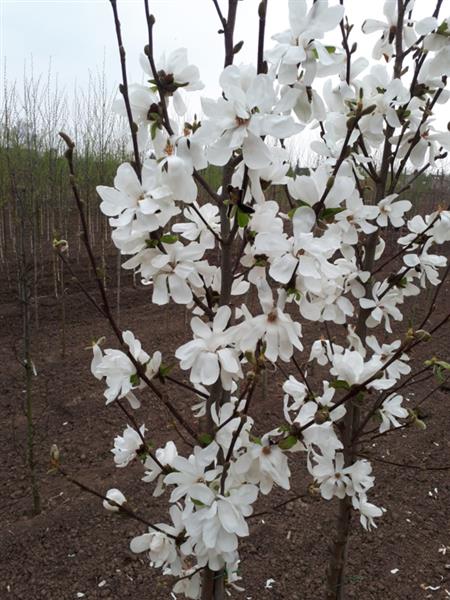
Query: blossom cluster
[310, 265]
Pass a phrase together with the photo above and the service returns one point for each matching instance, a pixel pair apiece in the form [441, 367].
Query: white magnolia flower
[331, 475]
[300, 45]
[141, 100]
[440, 231]
[150, 202]
[209, 354]
[116, 497]
[355, 217]
[200, 225]
[351, 367]
[127, 446]
[191, 475]
[227, 420]
[242, 117]
[425, 264]
[266, 218]
[417, 226]
[385, 95]
[392, 211]
[220, 524]
[310, 188]
[189, 584]
[274, 327]
[175, 73]
[160, 545]
[368, 512]
[390, 410]
[118, 369]
[297, 391]
[385, 45]
[362, 479]
[427, 147]
[177, 157]
[165, 457]
[264, 464]
[153, 365]
[171, 271]
[396, 369]
[383, 305]
[322, 351]
[320, 434]
[259, 180]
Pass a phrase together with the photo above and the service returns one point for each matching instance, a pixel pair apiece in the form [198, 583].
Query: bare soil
[75, 547]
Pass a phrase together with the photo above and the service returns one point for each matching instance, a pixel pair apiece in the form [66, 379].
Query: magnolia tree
[321, 262]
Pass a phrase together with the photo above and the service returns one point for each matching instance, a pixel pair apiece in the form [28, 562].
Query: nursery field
[75, 549]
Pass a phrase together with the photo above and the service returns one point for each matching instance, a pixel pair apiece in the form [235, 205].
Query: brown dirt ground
[74, 545]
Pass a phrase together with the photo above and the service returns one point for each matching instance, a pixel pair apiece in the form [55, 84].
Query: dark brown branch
[278, 506]
[105, 303]
[122, 508]
[145, 446]
[262, 13]
[403, 465]
[124, 91]
[219, 12]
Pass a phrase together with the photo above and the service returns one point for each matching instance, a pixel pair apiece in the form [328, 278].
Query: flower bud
[54, 454]
[322, 415]
[423, 335]
[117, 499]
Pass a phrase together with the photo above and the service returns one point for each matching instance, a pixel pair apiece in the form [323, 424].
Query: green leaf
[164, 370]
[205, 439]
[339, 384]
[288, 442]
[442, 29]
[293, 292]
[440, 374]
[284, 428]
[256, 440]
[439, 368]
[134, 379]
[443, 364]
[198, 503]
[169, 238]
[328, 213]
[329, 49]
[242, 218]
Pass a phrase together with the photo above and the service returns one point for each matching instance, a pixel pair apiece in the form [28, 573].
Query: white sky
[77, 35]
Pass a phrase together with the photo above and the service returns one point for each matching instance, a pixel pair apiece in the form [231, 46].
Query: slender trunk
[63, 314]
[29, 413]
[24, 271]
[336, 572]
[213, 583]
[119, 271]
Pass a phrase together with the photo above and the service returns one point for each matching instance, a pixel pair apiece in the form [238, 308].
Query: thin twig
[124, 91]
[105, 303]
[122, 508]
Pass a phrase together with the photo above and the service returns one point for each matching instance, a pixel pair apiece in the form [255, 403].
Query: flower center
[240, 121]
[168, 149]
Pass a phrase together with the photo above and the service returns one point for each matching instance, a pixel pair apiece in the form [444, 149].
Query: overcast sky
[78, 35]
[78, 38]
